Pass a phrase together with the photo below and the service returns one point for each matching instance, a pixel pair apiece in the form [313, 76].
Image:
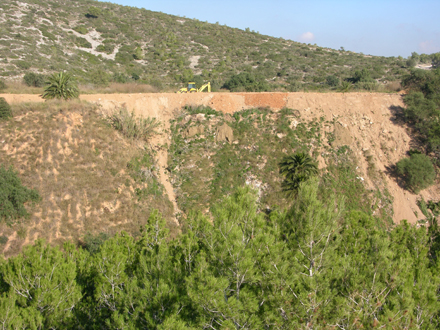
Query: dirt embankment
[364, 121]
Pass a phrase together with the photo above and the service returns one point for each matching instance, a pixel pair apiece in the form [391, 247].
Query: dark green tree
[332, 81]
[41, 290]
[227, 285]
[93, 12]
[417, 172]
[34, 79]
[13, 195]
[310, 228]
[435, 60]
[5, 109]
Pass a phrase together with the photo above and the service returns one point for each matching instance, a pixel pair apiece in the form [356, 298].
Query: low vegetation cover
[166, 51]
[204, 168]
[91, 178]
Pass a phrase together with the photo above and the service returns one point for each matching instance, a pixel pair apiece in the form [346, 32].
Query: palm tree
[296, 168]
[60, 86]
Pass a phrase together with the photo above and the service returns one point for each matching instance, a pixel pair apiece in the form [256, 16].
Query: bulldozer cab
[191, 85]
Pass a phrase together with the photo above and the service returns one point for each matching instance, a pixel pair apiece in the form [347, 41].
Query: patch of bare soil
[79, 166]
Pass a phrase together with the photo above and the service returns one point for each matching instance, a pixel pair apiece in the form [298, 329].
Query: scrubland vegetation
[130, 45]
[247, 254]
[266, 240]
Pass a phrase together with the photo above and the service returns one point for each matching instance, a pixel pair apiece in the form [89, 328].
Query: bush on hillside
[81, 29]
[100, 78]
[248, 82]
[34, 79]
[133, 127]
[332, 81]
[423, 106]
[417, 172]
[82, 42]
[2, 84]
[5, 109]
[13, 195]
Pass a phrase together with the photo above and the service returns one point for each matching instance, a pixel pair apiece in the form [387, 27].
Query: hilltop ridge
[100, 42]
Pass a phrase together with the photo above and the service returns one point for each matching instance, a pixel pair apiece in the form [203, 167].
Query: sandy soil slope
[366, 122]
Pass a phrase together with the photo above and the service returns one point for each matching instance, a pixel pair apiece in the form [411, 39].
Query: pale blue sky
[375, 27]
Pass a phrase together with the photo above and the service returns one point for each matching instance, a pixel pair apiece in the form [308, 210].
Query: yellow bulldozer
[193, 89]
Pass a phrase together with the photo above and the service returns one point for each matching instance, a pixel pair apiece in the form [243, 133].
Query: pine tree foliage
[313, 266]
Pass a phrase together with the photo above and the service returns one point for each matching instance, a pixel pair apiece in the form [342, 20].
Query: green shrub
[248, 82]
[34, 79]
[92, 243]
[22, 64]
[81, 29]
[133, 127]
[2, 84]
[5, 109]
[60, 86]
[3, 240]
[120, 78]
[417, 172]
[93, 12]
[105, 48]
[332, 81]
[13, 195]
[99, 77]
[81, 42]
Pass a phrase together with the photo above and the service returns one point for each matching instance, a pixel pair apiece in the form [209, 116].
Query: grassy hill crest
[102, 42]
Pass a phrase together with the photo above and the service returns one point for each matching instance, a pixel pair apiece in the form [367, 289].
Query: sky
[372, 27]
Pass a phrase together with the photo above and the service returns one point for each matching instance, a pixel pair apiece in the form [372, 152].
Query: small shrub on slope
[417, 171]
[34, 79]
[5, 109]
[132, 127]
[13, 195]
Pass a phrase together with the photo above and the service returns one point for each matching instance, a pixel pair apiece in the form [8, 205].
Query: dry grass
[116, 88]
[393, 86]
[18, 87]
[78, 164]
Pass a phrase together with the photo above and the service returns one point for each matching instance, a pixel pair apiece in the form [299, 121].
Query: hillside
[102, 42]
[92, 178]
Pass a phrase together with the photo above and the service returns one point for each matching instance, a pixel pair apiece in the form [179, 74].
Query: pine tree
[310, 229]
[41, 288]
[226, 283]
